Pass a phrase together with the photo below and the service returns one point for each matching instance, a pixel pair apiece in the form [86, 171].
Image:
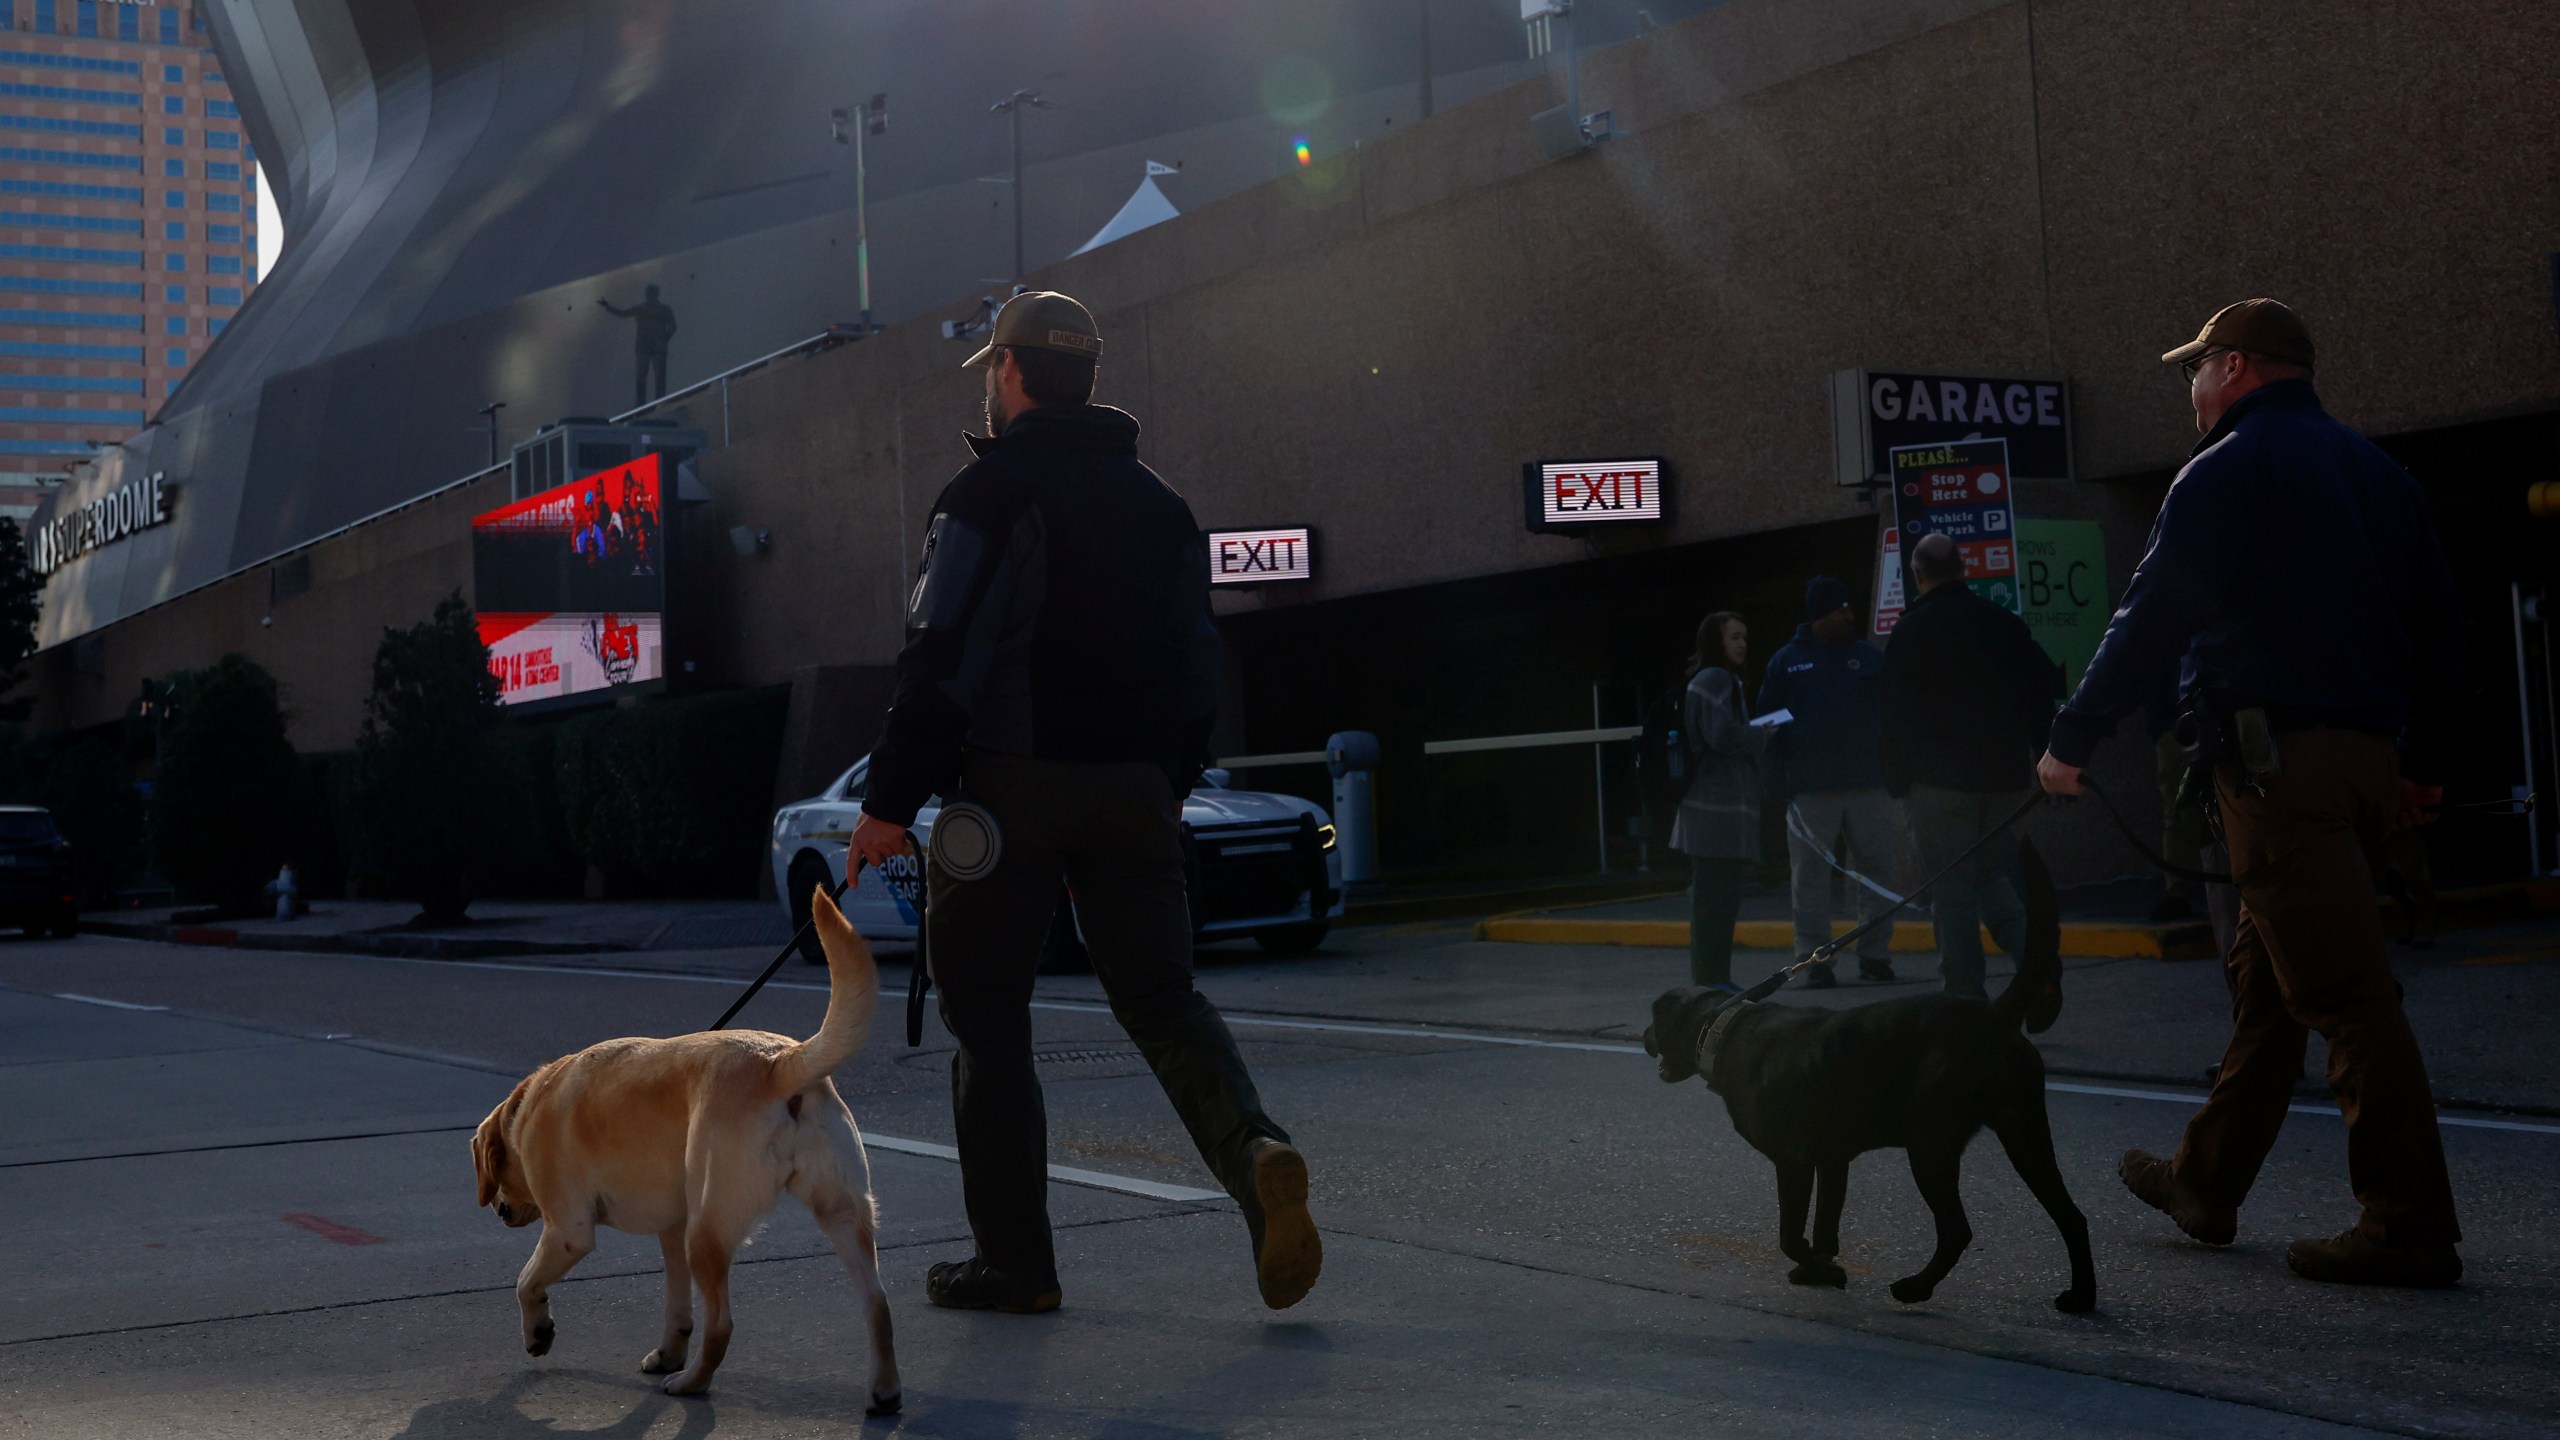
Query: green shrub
[228, 785]
[674, 797]
[427, 764]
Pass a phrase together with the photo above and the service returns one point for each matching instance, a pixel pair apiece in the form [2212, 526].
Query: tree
[21, 601]
[227, 785]
[427, 763]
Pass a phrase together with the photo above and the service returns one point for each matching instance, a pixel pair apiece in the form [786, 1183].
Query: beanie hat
[1822, 595]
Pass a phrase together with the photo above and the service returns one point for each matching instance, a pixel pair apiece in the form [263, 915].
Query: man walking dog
[2302, 564]
[1060, 670]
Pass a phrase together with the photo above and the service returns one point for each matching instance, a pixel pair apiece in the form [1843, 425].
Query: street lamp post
[873, 119]
[1011, 106]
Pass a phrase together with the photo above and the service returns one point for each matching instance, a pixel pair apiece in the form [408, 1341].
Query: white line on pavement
[2177, 1097]
[1091, 1179]
[110, 1004]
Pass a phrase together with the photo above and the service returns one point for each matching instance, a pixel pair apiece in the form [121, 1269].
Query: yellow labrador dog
[693, 1140]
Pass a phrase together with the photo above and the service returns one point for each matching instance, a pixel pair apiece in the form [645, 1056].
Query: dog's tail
[853, 993]
[2034, 998]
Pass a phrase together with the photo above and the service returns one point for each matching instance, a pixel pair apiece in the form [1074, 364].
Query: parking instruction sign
[1961, 489]
[2063, 576]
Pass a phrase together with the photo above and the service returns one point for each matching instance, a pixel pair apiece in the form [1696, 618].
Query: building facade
[128, 226]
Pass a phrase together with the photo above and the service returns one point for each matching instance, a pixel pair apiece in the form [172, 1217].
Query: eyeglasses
[2190, 366]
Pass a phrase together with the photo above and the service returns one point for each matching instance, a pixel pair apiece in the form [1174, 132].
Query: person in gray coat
[1718, 826]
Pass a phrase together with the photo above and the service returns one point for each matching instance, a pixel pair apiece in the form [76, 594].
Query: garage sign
[1570, 494]
[1874, 412]
[1254, 557]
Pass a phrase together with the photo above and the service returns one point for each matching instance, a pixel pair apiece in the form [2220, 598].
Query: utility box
[576, 446]
[1352, 757]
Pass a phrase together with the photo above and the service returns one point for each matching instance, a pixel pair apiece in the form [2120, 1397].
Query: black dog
[1814, 1089]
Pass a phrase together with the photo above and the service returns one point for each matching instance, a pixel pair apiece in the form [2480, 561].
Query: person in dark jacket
[2296, 566]
[1825, 759]
[1060, 670]
[1718, 824]
[1967, 693]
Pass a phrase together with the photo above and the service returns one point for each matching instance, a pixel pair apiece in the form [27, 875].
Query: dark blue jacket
[2301, 565]
[1832, 690]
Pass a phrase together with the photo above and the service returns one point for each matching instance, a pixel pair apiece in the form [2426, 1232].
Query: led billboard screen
[571, 585]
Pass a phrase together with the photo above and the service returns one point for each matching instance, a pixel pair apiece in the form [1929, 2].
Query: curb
[2080, 941]
[404, 947]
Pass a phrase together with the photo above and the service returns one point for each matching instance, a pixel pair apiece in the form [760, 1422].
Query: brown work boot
[1287, 1252]
[2149, 1178]
[2356, 1259]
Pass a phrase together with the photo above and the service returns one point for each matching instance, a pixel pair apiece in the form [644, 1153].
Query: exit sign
[1254, 557]
[1570, 494]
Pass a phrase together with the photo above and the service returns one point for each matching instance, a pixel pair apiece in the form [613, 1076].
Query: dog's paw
[2077, 1300]
[687, 1385]
[889, 1404]
[662, 1362]
[1911, 1289]
[1818, 1271]
[539, 1342]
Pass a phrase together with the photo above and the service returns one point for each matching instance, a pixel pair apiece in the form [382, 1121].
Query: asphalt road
[250, 1213]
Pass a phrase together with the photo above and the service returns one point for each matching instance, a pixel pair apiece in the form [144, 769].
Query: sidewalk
[2098, 923]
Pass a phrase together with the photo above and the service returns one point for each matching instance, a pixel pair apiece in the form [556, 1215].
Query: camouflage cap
[1043, 320]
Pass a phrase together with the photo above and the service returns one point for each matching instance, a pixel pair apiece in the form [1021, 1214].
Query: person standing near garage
[1825, 759]
[1060, 670]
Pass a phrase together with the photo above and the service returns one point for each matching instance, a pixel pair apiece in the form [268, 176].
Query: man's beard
[994, 409]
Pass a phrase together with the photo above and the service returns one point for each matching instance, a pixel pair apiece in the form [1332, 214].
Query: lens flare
[1305, 152]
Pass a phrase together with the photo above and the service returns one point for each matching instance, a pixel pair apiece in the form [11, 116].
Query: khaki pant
[2310, 954]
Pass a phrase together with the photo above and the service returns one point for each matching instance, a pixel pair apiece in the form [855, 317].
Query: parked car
[35, 873]
[1261, 865]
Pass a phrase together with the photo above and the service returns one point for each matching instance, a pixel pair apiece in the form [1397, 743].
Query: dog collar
[1713, 1040]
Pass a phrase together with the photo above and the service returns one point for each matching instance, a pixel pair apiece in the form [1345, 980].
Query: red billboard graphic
[571, 585]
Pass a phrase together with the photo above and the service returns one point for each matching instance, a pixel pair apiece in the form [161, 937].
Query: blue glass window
[177, 355]
[88, 12]
[222, 109]
[214, 325]
[48, 415]
[222, 234]
[173, 74]
[222, 139]
[174, 199]
[221, 170]
[71, 222]
[175, 324]
[65, 62]
[172, 387]
[70, 127]
[89, 319]
[222, 295]
[175, 264]
[129, 193]
[173, 230]
[173, 135]
[169, 28]
[173, 104]
[174, 294]
[222, 264]
[45, 18]
[21, 90]
[71, 157]
[173, 169]
[47, 285]
[220, 200]
[73, 254]
[55, 350]
[96, 384]
[128, 23]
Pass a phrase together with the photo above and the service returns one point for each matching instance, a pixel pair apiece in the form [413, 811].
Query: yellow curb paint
[1909, 936]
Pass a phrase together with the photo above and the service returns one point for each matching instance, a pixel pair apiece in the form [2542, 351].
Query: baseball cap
[1042, 320]
[2261, 327]
[1822, 595]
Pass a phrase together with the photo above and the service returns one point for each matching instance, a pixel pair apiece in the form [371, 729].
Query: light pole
[1011, 107]
[873, 120]
[490, 412]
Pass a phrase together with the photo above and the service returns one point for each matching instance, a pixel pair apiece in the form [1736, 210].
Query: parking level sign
[1961, 489]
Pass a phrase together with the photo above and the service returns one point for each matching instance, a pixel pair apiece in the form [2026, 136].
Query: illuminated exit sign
[1253, 557]
[1569, 494]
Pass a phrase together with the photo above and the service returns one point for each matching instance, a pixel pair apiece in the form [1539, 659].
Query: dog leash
[800, 936]
[1822, 954]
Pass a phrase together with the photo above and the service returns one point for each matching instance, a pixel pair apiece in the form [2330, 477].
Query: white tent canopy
[1148, 207]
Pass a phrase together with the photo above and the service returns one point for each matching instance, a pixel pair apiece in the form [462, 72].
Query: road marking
[110, 1004]
[2181, 1097]
[1068, 1174]
[331, 1230]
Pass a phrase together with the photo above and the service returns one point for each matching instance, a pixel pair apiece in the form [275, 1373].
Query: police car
[1261, 865]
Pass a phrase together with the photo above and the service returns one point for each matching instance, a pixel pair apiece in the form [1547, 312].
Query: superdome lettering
[134, 506]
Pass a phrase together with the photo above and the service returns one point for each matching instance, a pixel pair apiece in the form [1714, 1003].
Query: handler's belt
[1713, 1040]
